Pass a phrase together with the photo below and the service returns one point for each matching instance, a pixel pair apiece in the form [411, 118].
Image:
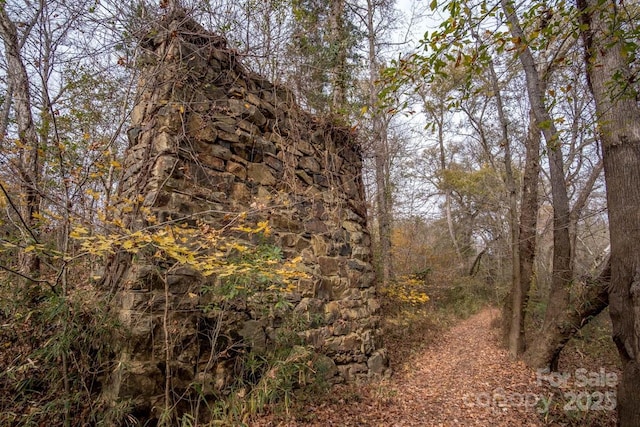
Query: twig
[15, 208]
[24, 276]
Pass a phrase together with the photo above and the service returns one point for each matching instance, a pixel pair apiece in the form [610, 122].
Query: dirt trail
[465, 379]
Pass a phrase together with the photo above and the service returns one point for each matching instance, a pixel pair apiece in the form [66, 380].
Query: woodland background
[482, 126]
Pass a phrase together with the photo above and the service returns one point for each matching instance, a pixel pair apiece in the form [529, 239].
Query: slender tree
[27, 164]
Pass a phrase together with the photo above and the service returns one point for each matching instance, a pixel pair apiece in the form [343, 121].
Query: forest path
[464, 378]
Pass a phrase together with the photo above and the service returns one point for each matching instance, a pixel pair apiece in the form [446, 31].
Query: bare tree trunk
[589, 299]
[514, 309]
[545, 350]
[6, 111]
[384, 209]
[516, 334]
[447, 191]
[381, 156]
[339, 50]
[436, 113]
[578, 207]
[526, 243]
[619, 124]
[28, 163]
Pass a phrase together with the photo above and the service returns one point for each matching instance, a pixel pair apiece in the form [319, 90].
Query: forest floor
[462, 378]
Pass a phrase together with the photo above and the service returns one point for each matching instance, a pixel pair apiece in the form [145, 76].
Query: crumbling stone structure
[209, 138]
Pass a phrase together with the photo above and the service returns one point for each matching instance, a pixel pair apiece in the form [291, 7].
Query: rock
[273, 162]
[329, 265]
[331, 312]
[316, 227]
[352, 371]
[342, 327]
[212, 162]
[351, 343]
[324, 366]
[309, 305]
[218, 151]
[305, 148]
[240, 193]
[316, 337]
[320, 180]
[378, 362]
[319, 245]
[304, 177]
[362, 253]
[286, 222]
[323, 289]
[309, 164]
[246, 110]
[201, 129]
[254, 335]
[237, 169]
[260, 174]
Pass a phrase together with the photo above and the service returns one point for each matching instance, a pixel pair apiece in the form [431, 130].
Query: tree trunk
[619, 125]
[514, 309]
[578, 207]
[447, 191]
[27, 164]
[526, 241]
[339, 56]
[515, 335]
[545, 350]
[380, 146]
[589, 299]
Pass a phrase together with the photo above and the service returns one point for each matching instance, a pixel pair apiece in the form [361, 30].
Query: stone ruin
[208, 138]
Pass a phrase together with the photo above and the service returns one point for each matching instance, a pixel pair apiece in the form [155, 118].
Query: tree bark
[545, 350]
[526, 243]
[339, 55]
[619, 125]
[513, 325]
[380, 146]
[516, 334]
[28, 163]
[590, 297]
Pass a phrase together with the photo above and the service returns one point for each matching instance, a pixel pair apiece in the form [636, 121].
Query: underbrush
[55, 352]
[409, 325]
[277, 382]
[590, 369]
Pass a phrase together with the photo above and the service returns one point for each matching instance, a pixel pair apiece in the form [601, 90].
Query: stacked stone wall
[208, 140]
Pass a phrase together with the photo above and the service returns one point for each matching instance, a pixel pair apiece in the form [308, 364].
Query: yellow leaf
[80, 230]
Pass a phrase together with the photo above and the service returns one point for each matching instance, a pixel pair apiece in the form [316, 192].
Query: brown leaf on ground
[464, 379]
